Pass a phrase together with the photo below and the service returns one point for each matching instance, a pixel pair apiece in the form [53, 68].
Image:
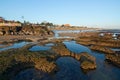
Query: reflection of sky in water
[1, 46]
[49, 44]
[39, 48]
[76, 48]
[115, 49]
[56, 32]
[104, 71]
[69, 69]
[15, 45]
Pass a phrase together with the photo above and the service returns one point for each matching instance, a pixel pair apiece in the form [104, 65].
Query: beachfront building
[9, 27]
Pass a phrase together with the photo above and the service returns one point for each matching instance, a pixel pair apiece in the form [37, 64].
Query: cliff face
[25, 30]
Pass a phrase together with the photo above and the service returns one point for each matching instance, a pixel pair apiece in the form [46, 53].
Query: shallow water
[39, 48]
[115, 49]
[56, 33]
[104, 70]
[49, 44]
[69, 68]
[15, 45]
[32, 74]
[76, 48]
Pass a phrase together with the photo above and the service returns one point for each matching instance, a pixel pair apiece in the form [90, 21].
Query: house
[67, 25]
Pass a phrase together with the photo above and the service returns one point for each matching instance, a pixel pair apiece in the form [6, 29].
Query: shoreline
[13, 38]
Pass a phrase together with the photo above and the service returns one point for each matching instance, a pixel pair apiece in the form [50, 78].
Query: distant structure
[9, 27]
[67, 25]
[4, 22]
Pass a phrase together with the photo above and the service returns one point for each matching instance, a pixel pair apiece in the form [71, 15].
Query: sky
[91, 13]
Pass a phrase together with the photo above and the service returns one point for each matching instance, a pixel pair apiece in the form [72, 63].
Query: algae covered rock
[87, 61]
[113, 58]
[102, 49]
[86, 65]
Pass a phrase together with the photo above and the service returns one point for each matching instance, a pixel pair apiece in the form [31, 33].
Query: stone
[113, 58]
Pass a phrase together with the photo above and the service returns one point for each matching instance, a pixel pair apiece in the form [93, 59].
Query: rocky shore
[87, 61]
[103, 44]
[113, 58]
[15, 60]
[102, 49]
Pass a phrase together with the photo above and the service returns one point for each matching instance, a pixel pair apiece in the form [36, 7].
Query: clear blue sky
[93, 13]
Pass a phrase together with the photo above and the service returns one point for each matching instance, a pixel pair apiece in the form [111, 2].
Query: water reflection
[32, 74]
[49, 44]
[39, 48]
[56, 33]
[115, 49]
[76, 48]
[15, 45]
[104, 70]
[69, 69]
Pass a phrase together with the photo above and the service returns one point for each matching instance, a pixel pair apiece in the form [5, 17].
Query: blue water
[49, 44]
[15, 45]
[69, 68]
[104, 70]
[115, 49]
[32, 74]
[76, 48]
[39, 48]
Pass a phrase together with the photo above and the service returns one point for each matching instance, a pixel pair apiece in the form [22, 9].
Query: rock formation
[113, 58]
[87, 61]
[102, 49]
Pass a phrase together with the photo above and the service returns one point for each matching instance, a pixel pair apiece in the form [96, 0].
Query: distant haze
[92, 13]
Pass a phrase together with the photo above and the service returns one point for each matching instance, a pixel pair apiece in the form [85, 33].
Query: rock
[99, 41]
[44, 65]
[102, 49]
[87, 61]
[61, 49]
[77, 56]
[86, 65]
[113, 58]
